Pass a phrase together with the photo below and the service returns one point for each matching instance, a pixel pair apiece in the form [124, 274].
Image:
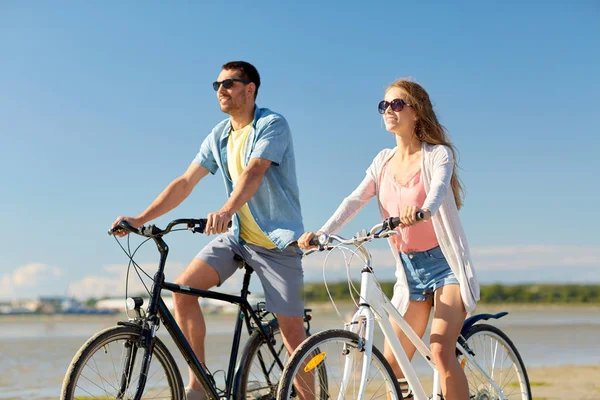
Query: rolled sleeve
[273, 141]
[205, 156]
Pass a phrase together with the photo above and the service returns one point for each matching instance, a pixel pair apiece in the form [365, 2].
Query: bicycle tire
[253, 382]
[489, 345]
[316, 348]
[78, 385]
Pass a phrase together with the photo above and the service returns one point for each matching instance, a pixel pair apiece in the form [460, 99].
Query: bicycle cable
[136, 266]
[351, 287]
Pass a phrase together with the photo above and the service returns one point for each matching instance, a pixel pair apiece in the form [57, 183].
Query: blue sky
[103, 104]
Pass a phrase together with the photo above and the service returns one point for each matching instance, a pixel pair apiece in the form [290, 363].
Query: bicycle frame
[374, 306]
[157, 309]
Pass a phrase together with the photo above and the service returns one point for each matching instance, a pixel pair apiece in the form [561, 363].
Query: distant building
[42, 304]
[208, 305]
[51, 305]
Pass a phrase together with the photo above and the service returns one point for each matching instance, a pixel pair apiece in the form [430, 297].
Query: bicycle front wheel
[259, 373]
[108, 367]
[497, 357]
[338, 352]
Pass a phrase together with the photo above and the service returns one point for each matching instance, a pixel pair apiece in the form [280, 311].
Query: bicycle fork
[362, 324]
[145, 342]
[127, 368]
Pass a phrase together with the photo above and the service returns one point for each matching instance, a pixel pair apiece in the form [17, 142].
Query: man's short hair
[249, 72]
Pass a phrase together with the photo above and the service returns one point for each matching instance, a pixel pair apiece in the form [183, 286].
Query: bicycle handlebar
[382, 230]
[194, 224]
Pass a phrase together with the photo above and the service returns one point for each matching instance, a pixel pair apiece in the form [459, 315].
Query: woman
[432, 255]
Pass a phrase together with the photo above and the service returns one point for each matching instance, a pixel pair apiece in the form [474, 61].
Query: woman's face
[403, 120]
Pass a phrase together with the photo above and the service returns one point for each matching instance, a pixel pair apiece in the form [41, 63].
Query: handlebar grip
[394, 222]
[202, 224]
[314, 241]
[122, 226]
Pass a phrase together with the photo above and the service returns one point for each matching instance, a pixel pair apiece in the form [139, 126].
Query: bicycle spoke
[89, 394]
[96, 374]
[95, 384]
[103, 380]
[496, 356]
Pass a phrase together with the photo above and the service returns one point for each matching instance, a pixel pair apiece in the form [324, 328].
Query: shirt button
[410, 256]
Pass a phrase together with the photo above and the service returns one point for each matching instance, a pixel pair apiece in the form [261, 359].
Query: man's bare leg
[293, 333]
[199, 275]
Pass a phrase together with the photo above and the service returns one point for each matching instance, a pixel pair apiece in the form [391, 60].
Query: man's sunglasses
[396, 104]
[228, 83]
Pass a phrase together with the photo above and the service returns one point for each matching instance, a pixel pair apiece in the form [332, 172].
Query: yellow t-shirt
[250, 232]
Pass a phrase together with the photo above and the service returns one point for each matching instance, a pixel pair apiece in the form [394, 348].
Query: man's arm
[245, 188]
[177, 191]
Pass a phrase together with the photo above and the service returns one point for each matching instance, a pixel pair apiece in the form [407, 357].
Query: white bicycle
[356, 369]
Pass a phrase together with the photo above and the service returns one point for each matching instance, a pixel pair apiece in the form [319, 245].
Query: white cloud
[28, 279]
[114, 281]
[541, 256]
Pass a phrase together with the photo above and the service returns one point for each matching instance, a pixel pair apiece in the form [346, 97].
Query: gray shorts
[280, 271]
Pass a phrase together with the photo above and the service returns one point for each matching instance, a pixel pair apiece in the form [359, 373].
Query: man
[254, 150]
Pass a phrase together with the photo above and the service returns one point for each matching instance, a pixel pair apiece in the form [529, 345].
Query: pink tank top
[394, 197]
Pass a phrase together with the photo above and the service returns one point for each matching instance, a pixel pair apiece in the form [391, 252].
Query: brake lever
[388, 234]
[309, 252]
[320, 248]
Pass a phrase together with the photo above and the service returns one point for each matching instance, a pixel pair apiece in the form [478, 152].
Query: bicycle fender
[472, 320]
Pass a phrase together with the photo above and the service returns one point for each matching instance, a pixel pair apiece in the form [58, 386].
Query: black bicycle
[129, 361]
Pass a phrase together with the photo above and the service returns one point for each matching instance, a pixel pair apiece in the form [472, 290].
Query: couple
[254, 150]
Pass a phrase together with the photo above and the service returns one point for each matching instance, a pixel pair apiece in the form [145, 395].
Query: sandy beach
[568, 382]
[565, 382]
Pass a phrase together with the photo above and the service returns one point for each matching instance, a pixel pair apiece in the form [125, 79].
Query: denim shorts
[426, 271]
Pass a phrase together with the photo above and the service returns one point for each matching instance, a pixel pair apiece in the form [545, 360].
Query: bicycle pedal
[407, 392]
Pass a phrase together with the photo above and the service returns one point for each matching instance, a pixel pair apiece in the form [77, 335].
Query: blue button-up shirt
[276, 204]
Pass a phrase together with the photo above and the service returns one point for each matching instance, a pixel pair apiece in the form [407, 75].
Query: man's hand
[135, 222]
[217, 222]
[304, 241]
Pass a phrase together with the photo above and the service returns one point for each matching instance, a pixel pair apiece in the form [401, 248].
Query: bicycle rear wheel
[496, 354]
[108, 367]
[338, 352]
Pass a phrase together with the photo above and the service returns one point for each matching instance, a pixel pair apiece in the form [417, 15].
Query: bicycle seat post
[249, 270]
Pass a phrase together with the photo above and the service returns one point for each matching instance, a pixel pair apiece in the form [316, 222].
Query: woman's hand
[304, 241]
[409, 216]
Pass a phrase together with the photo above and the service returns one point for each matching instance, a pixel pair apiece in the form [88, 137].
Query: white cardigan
[437, 164]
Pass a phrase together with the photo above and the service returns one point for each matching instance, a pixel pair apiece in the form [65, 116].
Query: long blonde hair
[429, 129]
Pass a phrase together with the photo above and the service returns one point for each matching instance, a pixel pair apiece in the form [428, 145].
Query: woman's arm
[351, 205]
[443, 166]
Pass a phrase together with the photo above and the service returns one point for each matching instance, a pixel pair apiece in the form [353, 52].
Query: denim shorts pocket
[436, 253]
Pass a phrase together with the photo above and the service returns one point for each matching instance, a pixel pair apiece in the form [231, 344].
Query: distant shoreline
[325, 306]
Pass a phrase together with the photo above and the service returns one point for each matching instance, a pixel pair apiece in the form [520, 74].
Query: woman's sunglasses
[228, 83]
[396, 104]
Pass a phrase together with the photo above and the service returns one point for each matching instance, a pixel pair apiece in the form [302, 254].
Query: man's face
[236, 98]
